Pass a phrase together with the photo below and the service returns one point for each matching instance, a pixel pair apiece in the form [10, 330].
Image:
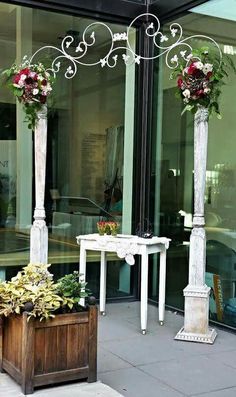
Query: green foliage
[33, 287]
[71, 287]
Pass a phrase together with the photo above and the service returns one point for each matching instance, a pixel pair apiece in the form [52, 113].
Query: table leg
[162, 286]
[103, 279]
[82, 268]
[144, 291]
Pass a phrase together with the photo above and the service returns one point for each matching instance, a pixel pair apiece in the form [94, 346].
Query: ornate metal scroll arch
[129, 56]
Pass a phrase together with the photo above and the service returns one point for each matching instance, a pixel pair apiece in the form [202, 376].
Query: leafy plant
[31, 85]
[200, 77]
[32, 290]
[71, 287]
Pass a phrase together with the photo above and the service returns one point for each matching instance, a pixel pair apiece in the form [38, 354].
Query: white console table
[126, 246]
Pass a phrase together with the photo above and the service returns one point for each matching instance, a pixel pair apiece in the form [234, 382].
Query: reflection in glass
[173, 178]
[87, 130]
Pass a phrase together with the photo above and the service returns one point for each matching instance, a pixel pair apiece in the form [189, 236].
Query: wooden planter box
[37, 353]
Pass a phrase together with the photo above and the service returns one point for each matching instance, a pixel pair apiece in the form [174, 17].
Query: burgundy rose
[16, 78]
[180, 82]
[44, 82]
[42, 99]
[25, 71]
[192, 68]
[200, 93]
[29, 80]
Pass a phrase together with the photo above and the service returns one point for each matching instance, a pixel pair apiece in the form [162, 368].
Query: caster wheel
[161, 322]
[144, 331]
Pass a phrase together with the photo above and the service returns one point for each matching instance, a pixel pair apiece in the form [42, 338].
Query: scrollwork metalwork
[180, 48]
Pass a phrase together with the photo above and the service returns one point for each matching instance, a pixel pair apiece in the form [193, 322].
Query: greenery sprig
[31, 85]
[200, 77]
[70, 286]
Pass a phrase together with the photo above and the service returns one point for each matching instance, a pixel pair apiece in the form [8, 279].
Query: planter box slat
[12, 370]
[62, 347]
[50, 359]
[72, 350]
[56, 377]
[92, 346]
[27, 356]
[38, 353]
[39, 357]
[63, 319]
[83, 335]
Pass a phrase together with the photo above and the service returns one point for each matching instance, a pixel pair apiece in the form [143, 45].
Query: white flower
[186, 100]
[199, 65]
[35, 91]
[32, 74]
[186, 93]
[208, 67]
[189, 56]
[174, 59]
[163, 38]
[125, 58]
[173, 32]
[103, 62]
[78, 48]
[47, 88]
[207, 90]
[23, 77]
[21, 83]
[182, 53]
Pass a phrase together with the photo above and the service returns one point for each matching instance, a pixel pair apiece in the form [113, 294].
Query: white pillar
[196, 313]
[39, 231]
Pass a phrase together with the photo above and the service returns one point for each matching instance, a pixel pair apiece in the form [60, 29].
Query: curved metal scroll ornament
[126, 52]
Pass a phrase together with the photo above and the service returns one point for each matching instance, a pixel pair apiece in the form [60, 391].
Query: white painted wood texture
[39, 231]
[127, 244]
[196, 313]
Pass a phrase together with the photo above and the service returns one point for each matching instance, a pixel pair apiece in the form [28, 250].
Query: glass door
[172, 173]
[89, 153]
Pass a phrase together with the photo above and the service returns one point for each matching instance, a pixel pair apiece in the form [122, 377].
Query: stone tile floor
[154, 365]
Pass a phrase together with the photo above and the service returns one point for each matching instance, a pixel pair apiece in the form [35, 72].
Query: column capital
[42, 113]
[201, 115]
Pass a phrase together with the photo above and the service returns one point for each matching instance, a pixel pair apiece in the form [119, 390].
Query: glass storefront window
[89, 149]
[172, 173]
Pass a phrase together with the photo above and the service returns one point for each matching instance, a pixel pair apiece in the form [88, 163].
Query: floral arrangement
[200, 77]
[31, 85]
[34, 291]
[108, 227]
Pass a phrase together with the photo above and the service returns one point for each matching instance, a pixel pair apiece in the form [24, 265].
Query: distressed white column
[39, 231]
[196, 312]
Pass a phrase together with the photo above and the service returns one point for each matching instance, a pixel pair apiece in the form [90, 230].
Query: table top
[125, 237]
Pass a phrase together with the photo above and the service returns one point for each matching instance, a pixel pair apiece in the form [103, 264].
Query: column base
[196, 316]
[39, 243]
[208, 337]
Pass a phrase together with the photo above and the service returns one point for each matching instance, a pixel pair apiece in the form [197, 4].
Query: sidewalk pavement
[154, 365]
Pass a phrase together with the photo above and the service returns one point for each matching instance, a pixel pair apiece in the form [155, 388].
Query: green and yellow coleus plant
[33, 290]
